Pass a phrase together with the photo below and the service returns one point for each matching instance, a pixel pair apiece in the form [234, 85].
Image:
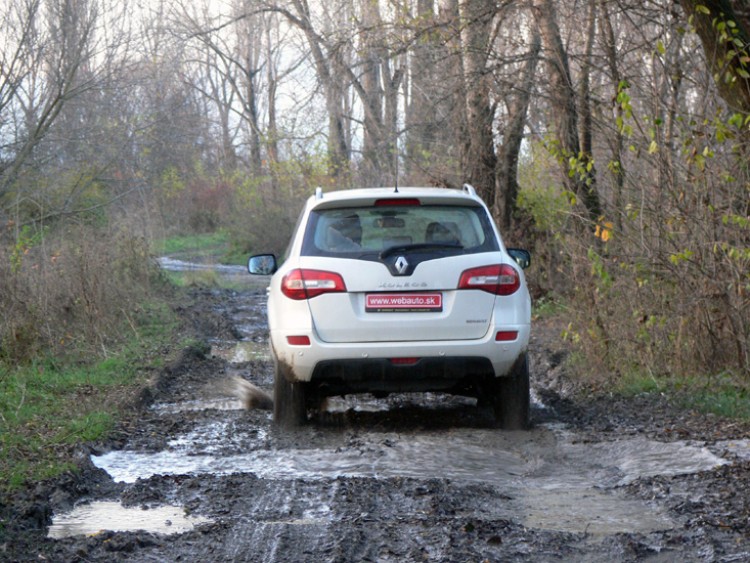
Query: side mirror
[262, 264]
[522, 257]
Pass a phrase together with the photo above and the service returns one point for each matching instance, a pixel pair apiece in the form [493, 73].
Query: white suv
[398, 290]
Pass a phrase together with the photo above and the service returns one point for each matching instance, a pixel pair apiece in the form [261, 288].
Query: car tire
[512, 397]
[289, 401]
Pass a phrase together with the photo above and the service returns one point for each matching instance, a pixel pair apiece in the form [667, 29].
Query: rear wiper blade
[420, 246]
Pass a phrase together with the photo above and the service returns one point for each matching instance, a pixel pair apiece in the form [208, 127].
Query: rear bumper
[454, 375]
[365, 361]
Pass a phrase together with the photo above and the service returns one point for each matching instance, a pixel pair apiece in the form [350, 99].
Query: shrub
[70, 291]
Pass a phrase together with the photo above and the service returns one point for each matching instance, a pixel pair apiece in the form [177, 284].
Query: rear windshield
[358, 231]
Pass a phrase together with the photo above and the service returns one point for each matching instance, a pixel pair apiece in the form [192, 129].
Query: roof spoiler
[468, 189]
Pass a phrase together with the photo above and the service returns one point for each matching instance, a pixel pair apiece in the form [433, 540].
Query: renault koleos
[398, 290]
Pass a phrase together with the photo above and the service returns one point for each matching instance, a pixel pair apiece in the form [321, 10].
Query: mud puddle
[94, 517]
[175, 265]
[553, 483]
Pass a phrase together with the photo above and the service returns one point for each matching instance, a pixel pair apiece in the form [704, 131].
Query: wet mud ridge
[194, 476]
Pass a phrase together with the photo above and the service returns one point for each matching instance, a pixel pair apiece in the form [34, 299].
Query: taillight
[500, 279]
[407, 201]
[305, 284]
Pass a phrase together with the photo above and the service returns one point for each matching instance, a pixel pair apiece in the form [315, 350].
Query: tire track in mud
[408, 478]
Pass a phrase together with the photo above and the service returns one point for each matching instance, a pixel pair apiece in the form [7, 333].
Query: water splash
[244, 352]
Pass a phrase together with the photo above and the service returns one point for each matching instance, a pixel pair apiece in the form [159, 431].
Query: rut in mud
[197, 477]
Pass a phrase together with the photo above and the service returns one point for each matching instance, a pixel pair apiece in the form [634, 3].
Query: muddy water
[93, 517]
[553, 482]
[174, 265]
[548, 479]
[244, 352]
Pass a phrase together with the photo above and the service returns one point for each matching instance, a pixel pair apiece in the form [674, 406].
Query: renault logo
[401, 264]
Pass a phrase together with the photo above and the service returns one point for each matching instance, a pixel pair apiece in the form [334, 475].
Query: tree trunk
[251, 115]
[727, 47]
[330, 67]
[449, 101]
[585, 133]
[421, 118]
[616, 142]
[563, 98]
[374, 146]
[272, 135]
[479, 157]
[506, 191]
[390, 121]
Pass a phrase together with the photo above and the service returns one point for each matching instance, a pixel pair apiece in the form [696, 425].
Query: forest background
[610, 137]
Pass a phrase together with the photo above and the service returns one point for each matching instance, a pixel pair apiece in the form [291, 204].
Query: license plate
[403, 302]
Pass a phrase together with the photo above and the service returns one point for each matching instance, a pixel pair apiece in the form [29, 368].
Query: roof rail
[469, 189]
[318, 193]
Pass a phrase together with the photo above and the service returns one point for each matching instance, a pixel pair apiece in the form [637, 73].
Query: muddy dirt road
[194, 477]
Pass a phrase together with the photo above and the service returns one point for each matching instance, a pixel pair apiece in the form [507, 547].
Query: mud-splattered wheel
[289, 403]
[512, 397]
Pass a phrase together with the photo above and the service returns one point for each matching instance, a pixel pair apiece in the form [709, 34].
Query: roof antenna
[395, 164]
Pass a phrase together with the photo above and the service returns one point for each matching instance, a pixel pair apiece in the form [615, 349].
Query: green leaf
[683, 256]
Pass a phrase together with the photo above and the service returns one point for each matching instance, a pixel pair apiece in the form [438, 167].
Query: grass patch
[722, 394]
[210, 247]
[547, 307]
[48, 407]
[200, 245]
[236, 255]
[637, 382]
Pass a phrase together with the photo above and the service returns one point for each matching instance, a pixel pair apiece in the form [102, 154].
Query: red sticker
[403, 302]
